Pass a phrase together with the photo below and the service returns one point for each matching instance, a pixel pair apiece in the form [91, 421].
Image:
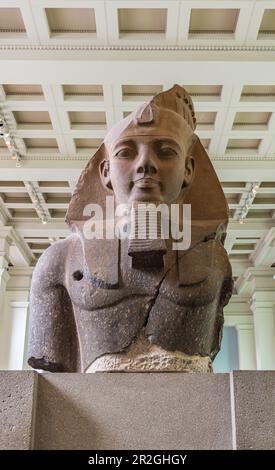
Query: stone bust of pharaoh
[115, 304]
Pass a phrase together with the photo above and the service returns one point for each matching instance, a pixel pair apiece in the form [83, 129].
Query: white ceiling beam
[249, 228]
[55, 228]
[37, 229]
[64, 169]
[110, 67]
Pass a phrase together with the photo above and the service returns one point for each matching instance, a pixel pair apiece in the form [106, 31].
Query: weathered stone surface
[136, 411]
[133, 411]
[254, 394]
[99, 295]
[17, 391]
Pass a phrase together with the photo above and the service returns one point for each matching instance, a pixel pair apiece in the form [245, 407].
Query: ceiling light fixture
[243, 211]
[34, 195]
[9, 141]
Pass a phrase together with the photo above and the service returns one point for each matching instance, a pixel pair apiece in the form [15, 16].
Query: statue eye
[127, 153]
[167, 152]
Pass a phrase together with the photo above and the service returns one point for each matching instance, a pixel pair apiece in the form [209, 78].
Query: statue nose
[146, 164]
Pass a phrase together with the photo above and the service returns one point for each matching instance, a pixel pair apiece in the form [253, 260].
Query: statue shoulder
[50, 268]
[206, 259]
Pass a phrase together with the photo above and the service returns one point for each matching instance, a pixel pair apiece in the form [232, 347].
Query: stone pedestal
[136, 411]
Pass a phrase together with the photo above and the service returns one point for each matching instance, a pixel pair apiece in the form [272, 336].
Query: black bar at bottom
[116, 459]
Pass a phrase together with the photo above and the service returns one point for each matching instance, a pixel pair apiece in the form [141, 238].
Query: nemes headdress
[167, 114]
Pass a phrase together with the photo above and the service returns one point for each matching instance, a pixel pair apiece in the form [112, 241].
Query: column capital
[5, 243]
[245, 326]
[20, 279]
[238, 311]
[15, 245]
[237, 304]
[4, 260]
[256, 279]
[260, 301]
[4, 275]
[265, 251]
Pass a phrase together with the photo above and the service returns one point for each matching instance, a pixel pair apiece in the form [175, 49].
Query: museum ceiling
[70, 70]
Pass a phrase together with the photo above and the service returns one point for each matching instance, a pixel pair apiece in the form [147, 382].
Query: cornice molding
[123, 47]
[242, 158]
[50, 157]
[86, 157]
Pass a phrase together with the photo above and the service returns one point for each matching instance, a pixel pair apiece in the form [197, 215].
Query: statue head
[153, 155]
[149, 153]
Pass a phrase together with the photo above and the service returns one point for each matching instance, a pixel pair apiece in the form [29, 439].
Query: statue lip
[146, 182]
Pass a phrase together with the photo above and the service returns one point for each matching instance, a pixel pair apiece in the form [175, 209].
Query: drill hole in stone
[78, 275]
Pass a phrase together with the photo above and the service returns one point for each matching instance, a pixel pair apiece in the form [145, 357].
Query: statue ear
[104, 170]
[188, 171]
[189, 161]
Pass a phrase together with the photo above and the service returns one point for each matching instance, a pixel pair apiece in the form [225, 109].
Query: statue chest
[194, 280]
[90, 294]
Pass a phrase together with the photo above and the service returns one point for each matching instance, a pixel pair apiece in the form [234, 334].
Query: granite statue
[135, 303]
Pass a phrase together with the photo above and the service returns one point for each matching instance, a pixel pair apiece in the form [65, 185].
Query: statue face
[147, 168]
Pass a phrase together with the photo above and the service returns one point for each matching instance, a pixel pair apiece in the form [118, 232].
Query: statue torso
[174, 315]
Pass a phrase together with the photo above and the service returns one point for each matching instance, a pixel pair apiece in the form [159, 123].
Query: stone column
[4, 263]
[263, 308]
[239, 315]
[4, 277]
[246, 343]
[263, 312]
[16, 318]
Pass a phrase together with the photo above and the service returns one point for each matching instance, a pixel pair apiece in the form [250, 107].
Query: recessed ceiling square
[56, 198]
[268, 24]
[36, 143]
[16, 198]
[83, 92]
[251, 120]
[18, 184]
[71, 20]
[207, 91]
[235, 144]
[258, 93]
[57, 213]
[53, 184]
[23, 92]
[265, 199]
[259, 214]
[205, 118]
[213, 21]
[11, 21]
[142, 20]
[23, 213]
[87, 143]
[33, 119]
[87, 119]
[140, 92]
[233, 184]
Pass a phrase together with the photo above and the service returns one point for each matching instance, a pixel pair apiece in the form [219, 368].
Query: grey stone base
[137, 411]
